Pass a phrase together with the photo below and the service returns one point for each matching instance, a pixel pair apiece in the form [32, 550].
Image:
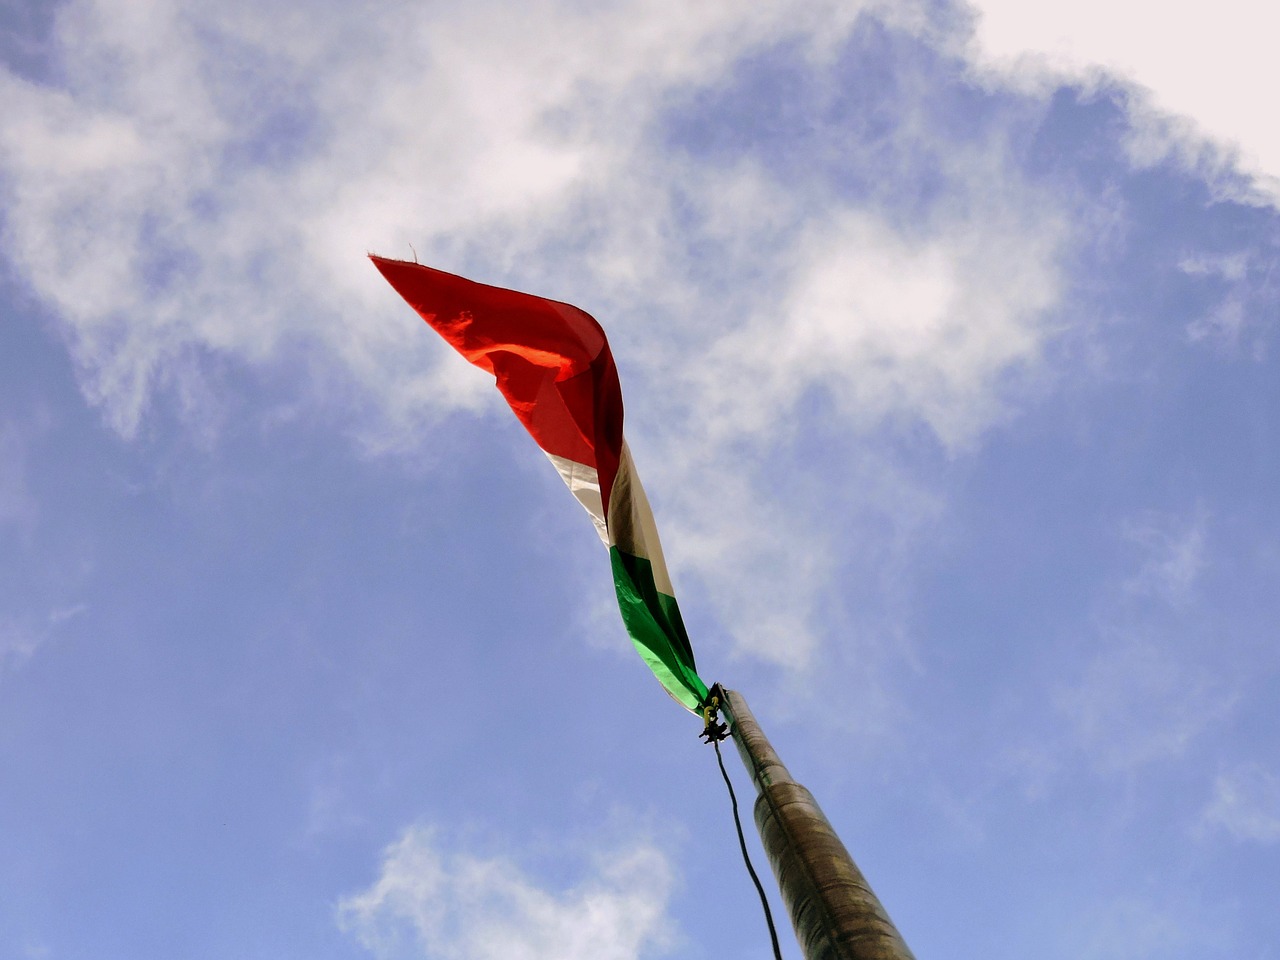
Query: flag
[553, 366]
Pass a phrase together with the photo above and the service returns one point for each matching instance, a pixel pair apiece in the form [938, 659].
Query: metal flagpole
[833, 909]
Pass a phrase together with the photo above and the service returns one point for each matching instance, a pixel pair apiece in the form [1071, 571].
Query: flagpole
[835, 914]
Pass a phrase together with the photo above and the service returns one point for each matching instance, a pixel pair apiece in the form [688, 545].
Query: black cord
[742, 842]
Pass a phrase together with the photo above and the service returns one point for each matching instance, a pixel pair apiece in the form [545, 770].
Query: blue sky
[948, 339]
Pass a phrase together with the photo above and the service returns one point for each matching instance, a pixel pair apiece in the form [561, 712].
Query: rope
[742, 842]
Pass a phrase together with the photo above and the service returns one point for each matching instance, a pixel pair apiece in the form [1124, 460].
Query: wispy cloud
[1148, 690]
[194, 182]
[1131, 927]
[428, 902]
[889, 326]
[841, 321]
[191, 192]
[17, 503]
[1244, 311]
[1174, 555]
[202, 239]
[1246, 804]
[1141, 701]
[18, 640]
[21, 636]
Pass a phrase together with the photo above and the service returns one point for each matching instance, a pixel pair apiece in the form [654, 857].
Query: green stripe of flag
[656, 628]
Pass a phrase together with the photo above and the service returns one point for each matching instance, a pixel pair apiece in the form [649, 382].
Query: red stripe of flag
[551, 360]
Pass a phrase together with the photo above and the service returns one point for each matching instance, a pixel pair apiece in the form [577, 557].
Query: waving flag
[553, 365]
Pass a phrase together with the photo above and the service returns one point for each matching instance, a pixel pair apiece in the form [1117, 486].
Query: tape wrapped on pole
[835, 913]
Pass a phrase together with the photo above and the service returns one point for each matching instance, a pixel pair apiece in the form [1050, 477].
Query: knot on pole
[713, 732]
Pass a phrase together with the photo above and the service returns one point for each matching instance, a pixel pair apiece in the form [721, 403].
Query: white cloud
[933, 328]
[205, 182]
[1211, 71]
[139, 210]
[433, 904]
[764, 565]
[890, 326]
[159, 202]
[1246, 804]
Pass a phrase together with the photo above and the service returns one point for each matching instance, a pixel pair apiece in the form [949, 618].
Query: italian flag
[553, 365]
